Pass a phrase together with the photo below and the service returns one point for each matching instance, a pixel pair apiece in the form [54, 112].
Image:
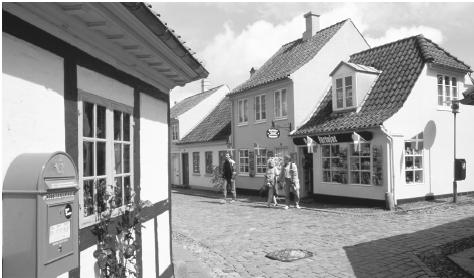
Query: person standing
[291, 183]
[228, 173]
[271, 177]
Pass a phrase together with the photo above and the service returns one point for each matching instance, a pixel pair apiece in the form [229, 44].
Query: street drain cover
[289, 255]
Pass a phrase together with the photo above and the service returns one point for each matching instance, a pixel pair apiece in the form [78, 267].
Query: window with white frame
[244, 161]
[414, 159]
[208, 158]
[348, 163]
[196, 163]
[260, 113]
[344, 93]
[243, 111]
[175, 131]
[281, 104]
[261, 161]
[105, 156]
[447, 90]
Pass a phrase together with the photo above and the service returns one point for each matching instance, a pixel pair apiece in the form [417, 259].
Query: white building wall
[32, 100]
[312, 80]
[191, 118]
[203, 180]
[421, 113]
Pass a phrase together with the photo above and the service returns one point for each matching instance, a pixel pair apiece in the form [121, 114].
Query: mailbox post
[40, 216]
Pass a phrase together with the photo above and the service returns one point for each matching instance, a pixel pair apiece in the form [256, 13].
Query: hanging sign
[273, 133]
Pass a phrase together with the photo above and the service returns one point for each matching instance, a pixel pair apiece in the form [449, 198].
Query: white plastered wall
[32, 100]
[312, 80]
[421, 113]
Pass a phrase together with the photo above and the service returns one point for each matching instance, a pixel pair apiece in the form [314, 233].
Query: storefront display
[414, 159]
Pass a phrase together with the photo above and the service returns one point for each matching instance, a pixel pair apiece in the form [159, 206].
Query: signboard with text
[273, 133]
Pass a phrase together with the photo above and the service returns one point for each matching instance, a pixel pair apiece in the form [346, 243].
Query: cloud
[393, 34]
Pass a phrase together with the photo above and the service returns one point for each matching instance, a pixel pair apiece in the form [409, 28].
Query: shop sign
[342, 137]
[273, 133]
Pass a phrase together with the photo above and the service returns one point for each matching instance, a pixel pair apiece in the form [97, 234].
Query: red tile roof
[401, 62]
[189, 102]
[289, 58]
[216, 126]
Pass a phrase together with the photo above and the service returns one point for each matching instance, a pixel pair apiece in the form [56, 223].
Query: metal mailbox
[460, 169]
[40, 216]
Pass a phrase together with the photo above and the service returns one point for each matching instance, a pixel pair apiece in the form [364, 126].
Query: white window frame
[196, 166]
[206, 153]
[279, 106]
[260, 162]
[242, 111]
[244, 162]
[411, 154]
[443, 89]
[344, 91]
[110, 106]
[260, 109]
[175, 131]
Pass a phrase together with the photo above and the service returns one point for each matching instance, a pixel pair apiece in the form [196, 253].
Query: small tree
[217, 180]
[116, 238]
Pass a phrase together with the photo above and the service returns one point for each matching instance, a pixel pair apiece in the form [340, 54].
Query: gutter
[392, 170]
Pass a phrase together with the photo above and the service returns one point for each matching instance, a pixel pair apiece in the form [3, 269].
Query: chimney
[312, 25]
[253, 70]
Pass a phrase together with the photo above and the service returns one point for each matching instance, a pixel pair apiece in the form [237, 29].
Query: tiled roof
[401, 62]
[189, 102]
[289, 58]
[216, 126]
[356, 67]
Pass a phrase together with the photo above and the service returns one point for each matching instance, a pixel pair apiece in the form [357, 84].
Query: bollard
[389, 205]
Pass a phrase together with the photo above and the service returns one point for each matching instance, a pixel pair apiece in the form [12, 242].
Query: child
[271, 181]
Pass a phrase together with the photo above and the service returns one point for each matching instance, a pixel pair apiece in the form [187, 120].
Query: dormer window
[344, 94]
[447, 90]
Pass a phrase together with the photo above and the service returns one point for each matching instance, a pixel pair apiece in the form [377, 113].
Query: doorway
[185, 168]
[175, 172]
[307, 165]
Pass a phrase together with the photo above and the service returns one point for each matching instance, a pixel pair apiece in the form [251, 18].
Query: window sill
[260, 122]
[444, 108]
[243, 124]
[414, 183]
[351, 184]
[280, 118]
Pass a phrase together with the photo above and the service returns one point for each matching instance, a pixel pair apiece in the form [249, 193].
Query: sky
[230, 38]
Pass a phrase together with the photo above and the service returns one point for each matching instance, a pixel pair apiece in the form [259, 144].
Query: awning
[334, 138]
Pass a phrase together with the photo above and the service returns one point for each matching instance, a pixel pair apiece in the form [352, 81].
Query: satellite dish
[429, 134]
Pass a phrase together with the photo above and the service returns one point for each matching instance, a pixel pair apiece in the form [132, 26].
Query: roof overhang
[127, 36]
[433, 65]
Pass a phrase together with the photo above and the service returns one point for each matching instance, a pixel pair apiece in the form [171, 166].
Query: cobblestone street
[231, 240]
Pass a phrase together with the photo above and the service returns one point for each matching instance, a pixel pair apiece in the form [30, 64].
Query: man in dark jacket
[228, 173]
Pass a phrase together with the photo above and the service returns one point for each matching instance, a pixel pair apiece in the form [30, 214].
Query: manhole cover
[289, 255]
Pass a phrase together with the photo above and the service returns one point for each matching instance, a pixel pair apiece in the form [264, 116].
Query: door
[175, 178]
[185, 168]
[307, 165]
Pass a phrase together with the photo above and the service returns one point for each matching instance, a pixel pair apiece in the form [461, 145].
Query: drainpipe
[391, 200]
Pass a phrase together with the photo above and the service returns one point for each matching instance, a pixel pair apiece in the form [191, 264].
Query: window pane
[88, 190]
[128, 190]
[455, 87]
[326, 150]
[326, 163]
[118, 192]
[87, 119]
[118, 158]
[284, 103]
[365, 149]
[117, 126]
[126, 158]
[409, 176]
[349, 97]
[348, 81]
[241, 119]
[447, 88]
[326, 176]
[355, 177]
[264, 113]
[418, 176]
[339, 98]
[101, 163]
[277, 104]
[409, 162]
[440, 94]
[126, 127]
[100, 121]
[365, 163]
[101, 195]
[257, 108]
[418, 162]
[355, 163]
[365, 178]
[339, 83]
[88, 158]
[246, 111]
[440, 79]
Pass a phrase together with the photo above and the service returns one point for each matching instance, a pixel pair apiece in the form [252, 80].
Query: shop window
[344, 96]
[281, 104]
[175, 131]
[447, 90]
[261, 161]
[208, 157]
[335, 163]
[260, 113]
[196, 163]
[243, 111]
[244, 161]
[105, 130]
[349, 163]
[414, 159]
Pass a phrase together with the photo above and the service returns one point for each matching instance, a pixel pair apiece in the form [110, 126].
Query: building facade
[386, 125]
[93, 80]
[281, 94]
[186, 115]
